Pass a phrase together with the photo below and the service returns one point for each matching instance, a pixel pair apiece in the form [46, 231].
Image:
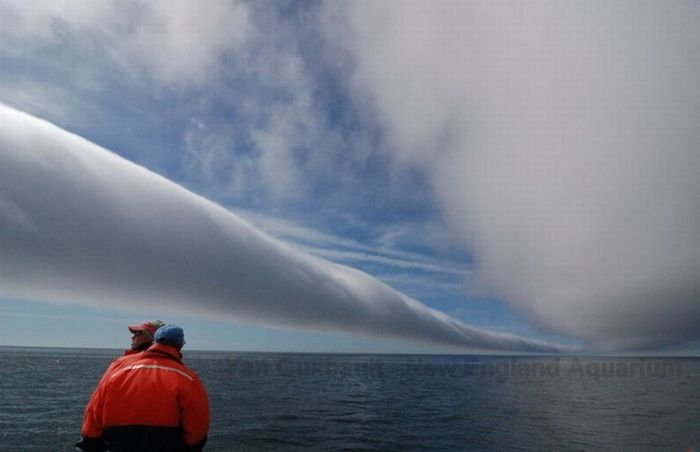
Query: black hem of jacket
[147, 438]
[88, 444]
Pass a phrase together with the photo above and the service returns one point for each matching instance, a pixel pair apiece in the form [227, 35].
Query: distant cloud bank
[562, 139]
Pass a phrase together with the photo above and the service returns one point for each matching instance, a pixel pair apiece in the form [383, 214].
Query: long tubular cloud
[81, 224]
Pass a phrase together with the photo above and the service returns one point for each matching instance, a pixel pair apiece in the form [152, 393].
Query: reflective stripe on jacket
[148, 401]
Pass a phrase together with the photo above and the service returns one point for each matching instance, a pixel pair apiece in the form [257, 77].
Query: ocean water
[382, 402]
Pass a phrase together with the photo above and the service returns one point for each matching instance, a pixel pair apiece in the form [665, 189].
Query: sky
[366, 176]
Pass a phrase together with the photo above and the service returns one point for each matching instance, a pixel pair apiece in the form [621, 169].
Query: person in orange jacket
[142, 337]
[152, 402]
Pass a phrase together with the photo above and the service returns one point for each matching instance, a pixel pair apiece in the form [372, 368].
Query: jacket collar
[164, 349]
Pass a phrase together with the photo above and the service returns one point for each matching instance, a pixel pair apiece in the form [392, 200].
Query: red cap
[149, 326]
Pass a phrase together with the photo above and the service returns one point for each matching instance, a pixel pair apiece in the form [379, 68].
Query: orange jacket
[116, 364]
[147, 400]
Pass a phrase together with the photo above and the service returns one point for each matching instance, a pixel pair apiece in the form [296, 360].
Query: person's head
[143, 333]
[171, 335]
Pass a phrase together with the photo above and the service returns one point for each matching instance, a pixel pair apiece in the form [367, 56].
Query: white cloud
[415, 75]
[339, 248]
[290, 134]
[562, 141]
[183, 41]
[343, 255]
[178, 43]
[277, 167]
[107, 232]
[210, 154]
[42, 19]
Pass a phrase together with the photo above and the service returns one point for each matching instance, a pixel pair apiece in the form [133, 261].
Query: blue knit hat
[170, 335]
